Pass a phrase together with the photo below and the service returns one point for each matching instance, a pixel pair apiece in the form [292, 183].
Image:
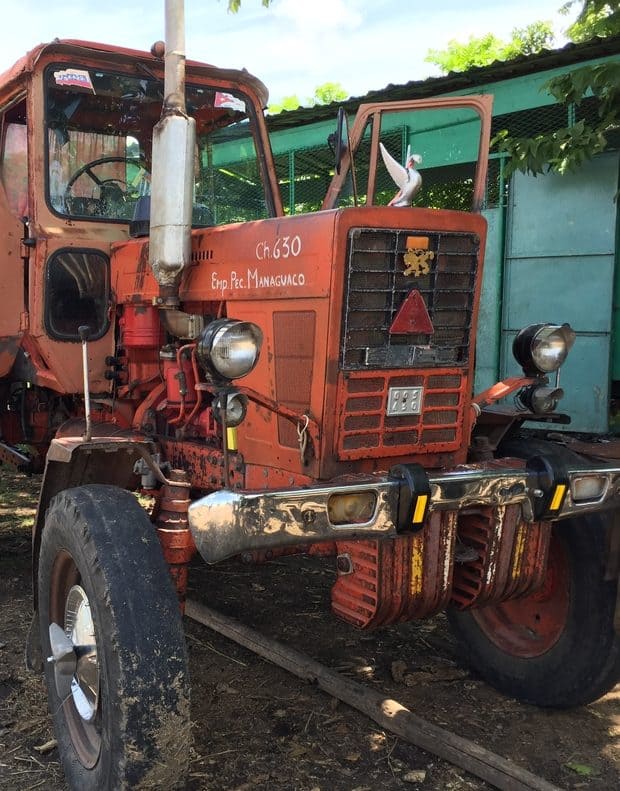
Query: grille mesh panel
[377, 286]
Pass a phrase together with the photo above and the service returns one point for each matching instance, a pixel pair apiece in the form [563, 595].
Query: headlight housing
[542, 348]
[540, 400]
[236, 408]
[229, 348]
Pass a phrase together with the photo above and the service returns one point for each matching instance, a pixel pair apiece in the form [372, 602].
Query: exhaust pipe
[174, 138]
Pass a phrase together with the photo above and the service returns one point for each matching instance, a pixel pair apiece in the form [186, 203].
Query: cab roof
[107, 53]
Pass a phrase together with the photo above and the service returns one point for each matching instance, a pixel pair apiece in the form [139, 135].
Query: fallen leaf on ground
[47, 747]
[581, 769]
[415, 776]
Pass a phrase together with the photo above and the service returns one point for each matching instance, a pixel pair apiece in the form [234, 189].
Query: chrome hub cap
[74, 654]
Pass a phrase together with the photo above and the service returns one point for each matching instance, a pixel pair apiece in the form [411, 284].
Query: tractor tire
[124, 723]
[556, 647]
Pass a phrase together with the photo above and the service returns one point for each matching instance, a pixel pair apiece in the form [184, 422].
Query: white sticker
[74, 78]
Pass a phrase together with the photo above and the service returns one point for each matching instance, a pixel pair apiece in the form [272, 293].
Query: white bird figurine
[407, 178]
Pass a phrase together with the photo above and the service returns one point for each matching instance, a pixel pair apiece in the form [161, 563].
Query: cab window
[14, 161]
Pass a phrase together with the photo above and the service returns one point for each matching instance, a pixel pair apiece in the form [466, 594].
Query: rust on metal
[172, 528]
[511, 556]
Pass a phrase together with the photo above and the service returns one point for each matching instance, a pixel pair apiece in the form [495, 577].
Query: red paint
[141, 327]
[531, 625]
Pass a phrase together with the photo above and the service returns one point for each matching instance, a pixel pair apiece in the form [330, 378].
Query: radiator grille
[364, 425]
[377, 286]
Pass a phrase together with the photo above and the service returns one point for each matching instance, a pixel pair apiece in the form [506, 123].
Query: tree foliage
[567, 148]
[323, 94]
[484, 50]
[596, 18]
[235, 5]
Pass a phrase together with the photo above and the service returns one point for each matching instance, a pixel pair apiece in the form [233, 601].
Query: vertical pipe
[172, 180]
[84, 332]
[174, 59]
[291, 181]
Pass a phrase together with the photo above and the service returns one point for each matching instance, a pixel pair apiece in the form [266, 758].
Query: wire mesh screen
[527, 123]
[588, 110]
[229, 187]
[496, 193]
[304, 175]
[448, 174]
[384, 190]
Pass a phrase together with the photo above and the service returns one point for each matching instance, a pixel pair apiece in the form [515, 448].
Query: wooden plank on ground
[388, 713]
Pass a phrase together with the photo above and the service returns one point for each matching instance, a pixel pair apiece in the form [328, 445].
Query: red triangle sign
[412, 317]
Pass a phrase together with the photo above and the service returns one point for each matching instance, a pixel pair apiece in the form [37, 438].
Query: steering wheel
[111, 191]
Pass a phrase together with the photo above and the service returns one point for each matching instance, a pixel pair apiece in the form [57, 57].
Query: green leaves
[325, 93]
[567, 148]
[484, 50]
[597, 18]
[581, 769]
[235, 5]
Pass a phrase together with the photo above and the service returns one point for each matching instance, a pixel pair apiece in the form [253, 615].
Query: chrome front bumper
[227, 523]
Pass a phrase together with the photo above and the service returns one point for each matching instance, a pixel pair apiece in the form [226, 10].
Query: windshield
[99, 135]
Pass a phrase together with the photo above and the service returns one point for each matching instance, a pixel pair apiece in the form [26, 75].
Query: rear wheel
[557, 646]
[109, 619]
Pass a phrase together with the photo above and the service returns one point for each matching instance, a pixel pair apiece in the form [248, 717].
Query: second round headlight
[230, 348]
[542, 348]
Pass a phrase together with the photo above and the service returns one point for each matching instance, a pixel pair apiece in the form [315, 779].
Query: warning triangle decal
[412, 317]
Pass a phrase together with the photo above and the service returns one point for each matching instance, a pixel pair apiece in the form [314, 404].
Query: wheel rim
[531, 625]
[70, 609]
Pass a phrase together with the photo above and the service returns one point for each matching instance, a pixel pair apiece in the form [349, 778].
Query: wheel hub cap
[74, 654]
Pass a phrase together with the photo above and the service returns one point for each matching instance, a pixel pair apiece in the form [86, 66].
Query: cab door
[14, 212]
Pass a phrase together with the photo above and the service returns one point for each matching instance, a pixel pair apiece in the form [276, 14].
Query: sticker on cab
[74, 78]
[229, 101]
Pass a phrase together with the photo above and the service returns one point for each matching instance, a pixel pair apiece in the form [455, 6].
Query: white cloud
[294, 45]
[320, 16]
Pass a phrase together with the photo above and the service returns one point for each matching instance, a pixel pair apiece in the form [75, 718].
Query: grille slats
[373, 360]
[365, 428]
[377, 286]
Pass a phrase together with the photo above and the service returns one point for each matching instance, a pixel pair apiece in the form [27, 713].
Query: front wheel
[555, 647]
[116, 675]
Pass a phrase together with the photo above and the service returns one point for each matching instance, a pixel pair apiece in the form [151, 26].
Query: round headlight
[236, 409]
[540, 400]
[542, 348]
[230, 348]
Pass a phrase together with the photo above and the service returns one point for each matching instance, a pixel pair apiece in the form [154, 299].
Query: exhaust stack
[174, 139]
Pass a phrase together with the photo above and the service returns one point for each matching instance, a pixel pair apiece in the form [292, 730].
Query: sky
[292, 46]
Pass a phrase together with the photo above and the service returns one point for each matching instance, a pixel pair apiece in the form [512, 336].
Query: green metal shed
[552, 252]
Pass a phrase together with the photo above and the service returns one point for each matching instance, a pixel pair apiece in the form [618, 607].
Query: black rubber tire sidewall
[141, 648]
[584, 663]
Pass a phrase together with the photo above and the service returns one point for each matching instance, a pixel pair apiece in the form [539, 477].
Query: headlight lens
[356, 508]
[588, 487]
[540, 400]
[230, 348]
[236, 408]
[542, 348]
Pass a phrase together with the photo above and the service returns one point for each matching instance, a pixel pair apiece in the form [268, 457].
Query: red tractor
[275, 384]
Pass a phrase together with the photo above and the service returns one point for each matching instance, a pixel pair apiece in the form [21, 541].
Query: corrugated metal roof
[455, 81]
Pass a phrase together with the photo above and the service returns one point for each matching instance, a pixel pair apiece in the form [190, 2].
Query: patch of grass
[18, 502]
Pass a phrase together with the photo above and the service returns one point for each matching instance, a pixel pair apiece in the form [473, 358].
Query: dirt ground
[257, 727]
